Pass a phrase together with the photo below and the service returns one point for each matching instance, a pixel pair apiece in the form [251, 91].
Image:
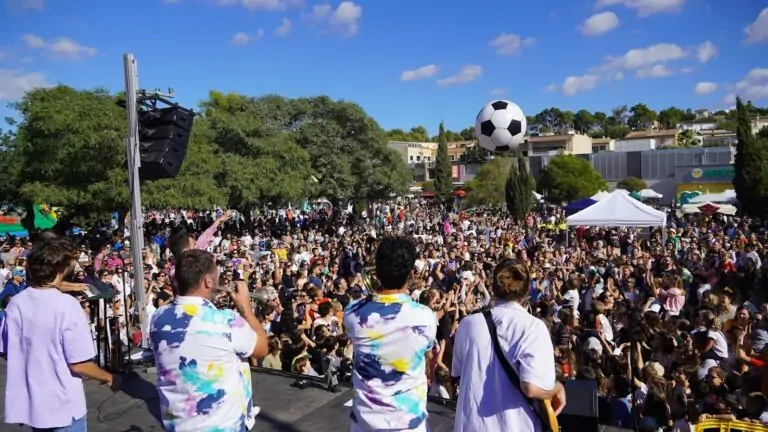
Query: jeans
[77, 425]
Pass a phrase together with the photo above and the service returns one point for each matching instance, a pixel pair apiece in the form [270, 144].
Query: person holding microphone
[202, 352]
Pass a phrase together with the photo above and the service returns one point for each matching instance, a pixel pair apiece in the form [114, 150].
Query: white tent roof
[650, 193]
[617, 210]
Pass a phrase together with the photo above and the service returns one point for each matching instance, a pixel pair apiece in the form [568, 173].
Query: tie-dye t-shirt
[390, 335]
[203, 381]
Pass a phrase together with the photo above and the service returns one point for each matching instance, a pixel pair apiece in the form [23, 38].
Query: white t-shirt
[203, 380]
[487, 400]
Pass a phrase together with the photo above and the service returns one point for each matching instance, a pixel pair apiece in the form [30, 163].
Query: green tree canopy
[749, 165]
[487, 187]
[518, 189]
[567, 178]
[68, 151]
[632, 184]
[443, 174]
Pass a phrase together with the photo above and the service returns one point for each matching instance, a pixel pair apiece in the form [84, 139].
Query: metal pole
[137, 220]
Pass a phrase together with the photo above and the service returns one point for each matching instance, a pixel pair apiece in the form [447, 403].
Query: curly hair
[395, 260]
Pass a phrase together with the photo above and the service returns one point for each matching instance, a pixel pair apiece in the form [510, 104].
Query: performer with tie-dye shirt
[390, 335]
[201, 352]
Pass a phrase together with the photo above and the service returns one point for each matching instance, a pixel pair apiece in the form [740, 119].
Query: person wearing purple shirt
[46, 340]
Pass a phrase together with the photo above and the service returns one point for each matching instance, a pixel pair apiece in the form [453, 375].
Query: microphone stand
[127, 362]
[633, 342]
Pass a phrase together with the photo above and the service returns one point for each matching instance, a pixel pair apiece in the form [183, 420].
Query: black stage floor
[283, 408]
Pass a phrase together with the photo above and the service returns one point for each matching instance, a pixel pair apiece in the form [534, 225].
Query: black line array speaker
[581, 407]
[163, 139]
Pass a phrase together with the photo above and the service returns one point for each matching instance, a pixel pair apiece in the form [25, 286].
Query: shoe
[256, 410]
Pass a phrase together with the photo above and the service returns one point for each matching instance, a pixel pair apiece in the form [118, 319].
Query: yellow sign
[697, 173]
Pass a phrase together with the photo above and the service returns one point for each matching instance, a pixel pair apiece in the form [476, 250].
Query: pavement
[283, 408]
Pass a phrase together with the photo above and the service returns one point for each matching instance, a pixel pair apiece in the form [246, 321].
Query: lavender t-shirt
[44, 331]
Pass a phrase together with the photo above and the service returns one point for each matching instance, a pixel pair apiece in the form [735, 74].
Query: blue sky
[406, 62]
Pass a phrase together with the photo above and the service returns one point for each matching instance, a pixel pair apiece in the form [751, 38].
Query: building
[697, 125]
[650, 139]
[663, 171]
[603, 144]
[457, 149]
[759, 123]
[717, 138]
[702, 113]
[414, 152]
[571, 143]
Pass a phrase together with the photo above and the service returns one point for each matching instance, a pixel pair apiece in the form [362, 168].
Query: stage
[283, 408]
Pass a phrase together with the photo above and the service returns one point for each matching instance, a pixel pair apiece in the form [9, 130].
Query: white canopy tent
[618, 209]
[728, 196]
[650, 193]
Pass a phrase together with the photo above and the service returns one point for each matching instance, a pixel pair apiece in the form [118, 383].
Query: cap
[19, 272]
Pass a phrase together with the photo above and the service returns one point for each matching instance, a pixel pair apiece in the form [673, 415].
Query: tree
[670, 117]
[687, 139]
[518, 189]
[632, 184]
[550, 118]
[749, 165]
[487, 187]
[639, 114]
[568, 177]
[443, 174]
[475, 154]
[584, 121]
[762, 133]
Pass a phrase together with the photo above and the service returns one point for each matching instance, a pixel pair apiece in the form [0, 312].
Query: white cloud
[68, 49]
[599, 24]
[345, 18]
[171, 1]
[61, 48]
[14, 84]
[240, 38]
[467, 74]
[510, 43]
[645, 8]
[703, 88]
[641, 57]
[285, 28]
[655, 71]
[618, 76]
[497, 91]
[752, 87]
[576, 84]
[33, 41]
[757, 32]
[687, 70]
[25, 4]
[420, 73]
[267, 5]
[551, 87]
[706, 51]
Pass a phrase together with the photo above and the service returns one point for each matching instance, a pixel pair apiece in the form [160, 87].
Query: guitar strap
[510, 371]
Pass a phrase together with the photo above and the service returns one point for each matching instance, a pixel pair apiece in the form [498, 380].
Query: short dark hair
[50, 258]
[178, 242]
[395, 259]
[191, 267]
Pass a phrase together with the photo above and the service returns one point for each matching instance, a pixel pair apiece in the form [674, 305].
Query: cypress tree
[519, 189]
[749, 165]
[443, 175]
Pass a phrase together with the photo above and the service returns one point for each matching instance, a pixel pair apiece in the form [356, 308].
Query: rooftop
[664, 133]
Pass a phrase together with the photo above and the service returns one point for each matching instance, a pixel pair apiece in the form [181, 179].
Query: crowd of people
[672, 326]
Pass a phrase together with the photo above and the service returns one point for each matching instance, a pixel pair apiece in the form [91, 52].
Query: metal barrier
[729, 426]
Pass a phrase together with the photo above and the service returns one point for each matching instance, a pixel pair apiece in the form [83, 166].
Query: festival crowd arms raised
[275, 245]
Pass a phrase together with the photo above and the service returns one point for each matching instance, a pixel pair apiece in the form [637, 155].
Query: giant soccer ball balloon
[500, 126]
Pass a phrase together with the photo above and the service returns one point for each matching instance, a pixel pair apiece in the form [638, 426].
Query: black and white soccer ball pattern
[500, 126]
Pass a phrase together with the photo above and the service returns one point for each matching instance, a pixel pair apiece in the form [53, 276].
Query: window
[410, 158]
[453, 158]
